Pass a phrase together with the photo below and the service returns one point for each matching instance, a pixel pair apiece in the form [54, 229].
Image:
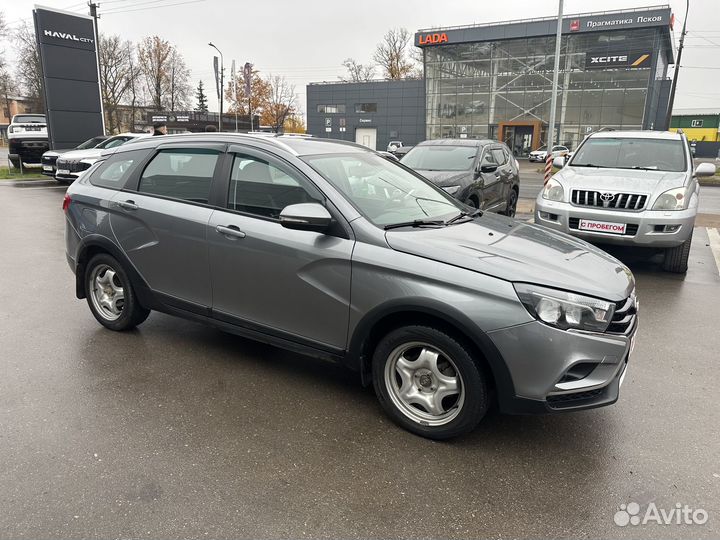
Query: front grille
[72, 166]
[623, 321]
[631, 229]
[616, 201]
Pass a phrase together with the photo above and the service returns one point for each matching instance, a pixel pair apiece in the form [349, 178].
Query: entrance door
[366, 137]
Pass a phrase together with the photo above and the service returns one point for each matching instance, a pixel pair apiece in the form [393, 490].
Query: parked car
[50, 157]
[634, 188]
[541, 153]
[326, 248]
[394, 145]
[481, 173]
[27, 139]
[71, 164]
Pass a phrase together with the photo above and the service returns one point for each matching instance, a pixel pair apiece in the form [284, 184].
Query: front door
[491, 177]
[295, 284]
[161, 224]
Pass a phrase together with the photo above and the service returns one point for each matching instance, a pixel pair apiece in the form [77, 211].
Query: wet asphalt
[177, 430]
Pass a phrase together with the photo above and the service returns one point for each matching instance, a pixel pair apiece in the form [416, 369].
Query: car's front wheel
[110, 294]
[512, 201]
[676, 258]
[429, 383]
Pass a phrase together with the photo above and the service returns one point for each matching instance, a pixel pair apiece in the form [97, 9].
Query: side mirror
[705, 169]
[488, 168]
[559, 162]
[306, 217]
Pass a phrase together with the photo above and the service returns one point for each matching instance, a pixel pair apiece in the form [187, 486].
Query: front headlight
[565, 310]
[553, 191]
[672, 199]
[451, 190]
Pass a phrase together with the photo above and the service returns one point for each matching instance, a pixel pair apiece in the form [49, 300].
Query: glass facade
[502, 89]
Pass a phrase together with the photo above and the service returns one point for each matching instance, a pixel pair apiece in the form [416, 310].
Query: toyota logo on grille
[607, 197]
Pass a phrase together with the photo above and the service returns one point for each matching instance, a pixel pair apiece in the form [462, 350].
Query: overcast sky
[306, 40]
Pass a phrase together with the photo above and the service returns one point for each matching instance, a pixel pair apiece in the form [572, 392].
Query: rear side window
[114, 171]
[180, 174]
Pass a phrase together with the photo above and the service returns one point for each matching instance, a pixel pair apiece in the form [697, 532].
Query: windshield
[113, 142]
[28, 119]
[441, 158]
[629, 153]
[90, 143]
[384, 192]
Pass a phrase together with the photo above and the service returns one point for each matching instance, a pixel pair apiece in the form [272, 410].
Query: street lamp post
[222, 85]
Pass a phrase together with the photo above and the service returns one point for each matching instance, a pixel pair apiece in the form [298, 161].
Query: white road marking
[714, 238]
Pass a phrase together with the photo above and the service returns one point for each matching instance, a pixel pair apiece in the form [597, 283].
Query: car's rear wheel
[512, 201]
[110, 294]
[429, 383]
[676, 258]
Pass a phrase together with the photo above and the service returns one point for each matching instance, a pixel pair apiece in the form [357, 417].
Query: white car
[541, 153]
[71, 164]
[394, 145]
[27, 139]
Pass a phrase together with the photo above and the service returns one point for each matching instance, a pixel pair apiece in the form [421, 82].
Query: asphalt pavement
[177, 430]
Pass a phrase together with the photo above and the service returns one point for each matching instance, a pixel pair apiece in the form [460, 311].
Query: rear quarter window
[114, 172]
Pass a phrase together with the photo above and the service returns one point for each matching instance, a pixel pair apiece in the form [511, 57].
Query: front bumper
[541, 358]
[536, 158]
[647, 228]
[30, 149]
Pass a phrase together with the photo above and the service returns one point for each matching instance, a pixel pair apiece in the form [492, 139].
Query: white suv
[27, 139]
[627, 187]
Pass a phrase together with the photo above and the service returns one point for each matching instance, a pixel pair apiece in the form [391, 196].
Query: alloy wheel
[107, 292]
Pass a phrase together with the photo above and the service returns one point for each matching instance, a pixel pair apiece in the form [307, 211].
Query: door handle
[230, 230]
[128, 205]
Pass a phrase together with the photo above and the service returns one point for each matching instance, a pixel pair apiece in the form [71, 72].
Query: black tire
[131, 312]
[463, 414]
[512, 201]
[676, 258]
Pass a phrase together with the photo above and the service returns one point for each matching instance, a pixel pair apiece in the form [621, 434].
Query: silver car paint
[284, 279]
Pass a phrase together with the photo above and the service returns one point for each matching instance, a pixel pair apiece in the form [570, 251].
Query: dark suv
[479, 172]
[326, 248]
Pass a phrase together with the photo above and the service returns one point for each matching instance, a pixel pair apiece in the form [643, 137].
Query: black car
[479, 172]
[50, 157]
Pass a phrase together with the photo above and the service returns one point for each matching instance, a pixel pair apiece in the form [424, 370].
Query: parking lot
[179, 430]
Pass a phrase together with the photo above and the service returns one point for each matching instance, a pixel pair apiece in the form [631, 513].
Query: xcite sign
[605, 60]
[432, 39]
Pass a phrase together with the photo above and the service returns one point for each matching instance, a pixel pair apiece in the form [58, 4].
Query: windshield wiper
[464, 214]
[416, 223]
[590, 165]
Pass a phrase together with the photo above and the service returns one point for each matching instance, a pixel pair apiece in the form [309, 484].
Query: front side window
[499, 156]
[180, 174]
[90, 143]
[631, 153]
[441, 157]
[113, 142]
[260, 188]
[384, 192]
[488, 159]
[114, 171]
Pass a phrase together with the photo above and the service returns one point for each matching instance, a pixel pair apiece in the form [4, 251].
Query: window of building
[331, 109]
[365, 107]
[260, 188]
[180, 174]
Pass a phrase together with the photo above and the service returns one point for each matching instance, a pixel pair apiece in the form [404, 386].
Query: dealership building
[495, 80]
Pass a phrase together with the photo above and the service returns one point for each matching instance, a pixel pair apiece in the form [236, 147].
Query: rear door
[289, 283]
[161, 222]
[492, 182]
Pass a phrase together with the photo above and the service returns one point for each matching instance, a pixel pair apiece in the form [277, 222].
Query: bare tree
[28, 71]
[393, 56]
[115, 80]
[357, 72]
[154, 60]
[179, 89]
[282, 103]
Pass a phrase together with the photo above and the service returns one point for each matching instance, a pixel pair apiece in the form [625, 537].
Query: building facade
[698, 126]
[495, 80]
[371, 113]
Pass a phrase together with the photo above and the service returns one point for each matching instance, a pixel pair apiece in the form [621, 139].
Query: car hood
[633, 181]
[538, 152]
[77, 155]
[444, 178]
[520, 252]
